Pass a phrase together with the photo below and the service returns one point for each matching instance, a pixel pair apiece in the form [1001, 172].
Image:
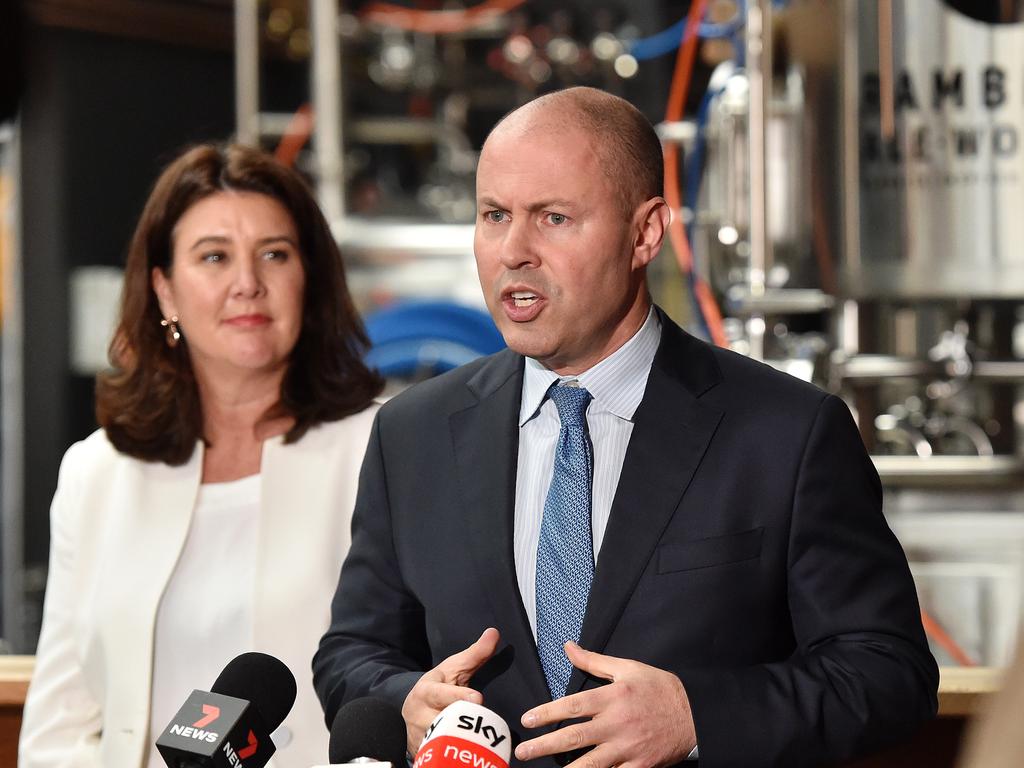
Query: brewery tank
[937, 138]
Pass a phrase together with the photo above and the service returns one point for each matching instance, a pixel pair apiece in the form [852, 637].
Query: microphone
[369, 733]
[230, 726]
[465, 735]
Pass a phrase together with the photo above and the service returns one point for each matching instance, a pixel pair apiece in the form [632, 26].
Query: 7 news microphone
[230, 726]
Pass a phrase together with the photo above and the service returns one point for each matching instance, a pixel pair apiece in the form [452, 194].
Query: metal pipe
[776, 301]
[948, 470]
[869, 369]
[12, 421]
[247, 72]
[759, 77]
[850, 137]
[328, 141]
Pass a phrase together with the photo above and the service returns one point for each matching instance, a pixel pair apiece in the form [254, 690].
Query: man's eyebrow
[539, 205]
[554, 202]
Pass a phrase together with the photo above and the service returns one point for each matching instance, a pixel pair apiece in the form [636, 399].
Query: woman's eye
[214, 256]
[275, 255]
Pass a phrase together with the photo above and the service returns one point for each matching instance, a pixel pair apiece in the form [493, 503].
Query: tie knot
[571, 403]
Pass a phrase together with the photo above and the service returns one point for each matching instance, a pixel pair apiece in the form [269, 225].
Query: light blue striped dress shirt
[617, 386]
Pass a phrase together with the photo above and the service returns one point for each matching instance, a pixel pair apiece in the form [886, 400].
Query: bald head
[627, 148]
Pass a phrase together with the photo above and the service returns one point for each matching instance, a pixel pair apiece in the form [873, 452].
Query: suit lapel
[671, 432]
[485, 438]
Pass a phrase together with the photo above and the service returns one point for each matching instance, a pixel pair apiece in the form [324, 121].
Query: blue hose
[691, 191]
[671, 38]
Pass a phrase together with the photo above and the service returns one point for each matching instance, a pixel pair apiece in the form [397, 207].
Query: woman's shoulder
[93, 453]
[87, 474]
[95, 460]
[323, 448]
[355, 427]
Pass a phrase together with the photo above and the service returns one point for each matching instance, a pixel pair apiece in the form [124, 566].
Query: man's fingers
[460, 667]
[597, 664]
[583, 704]
[445, 684]
[570, 738]
[600, 756]
[640, 719]
[437, 696]
[425, 701]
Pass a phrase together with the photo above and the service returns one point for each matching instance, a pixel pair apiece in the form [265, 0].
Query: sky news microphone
[230, 726]
[367, 733]
[465, 735]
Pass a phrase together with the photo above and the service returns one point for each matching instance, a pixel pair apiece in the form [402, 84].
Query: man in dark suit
[734, 584]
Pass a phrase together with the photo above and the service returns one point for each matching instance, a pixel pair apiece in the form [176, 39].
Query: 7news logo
[196, 730]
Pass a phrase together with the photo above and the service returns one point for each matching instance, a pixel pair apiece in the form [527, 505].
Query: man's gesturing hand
[642, 719]
[443, 685]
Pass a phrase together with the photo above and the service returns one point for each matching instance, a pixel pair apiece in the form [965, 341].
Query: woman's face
[236, 284]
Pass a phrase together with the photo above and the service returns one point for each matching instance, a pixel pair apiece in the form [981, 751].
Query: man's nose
[518, 249]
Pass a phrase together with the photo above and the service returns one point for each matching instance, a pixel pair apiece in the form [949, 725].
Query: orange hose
[437, 22]
[683, 71]
[681, 77]
[936, 632]
[299, 129]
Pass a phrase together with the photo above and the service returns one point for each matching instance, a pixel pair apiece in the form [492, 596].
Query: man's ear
[650, 223]
[164, 294]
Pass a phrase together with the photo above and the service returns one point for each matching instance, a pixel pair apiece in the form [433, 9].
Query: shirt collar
[616, 383]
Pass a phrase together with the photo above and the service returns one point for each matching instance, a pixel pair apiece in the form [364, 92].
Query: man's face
[554, 249]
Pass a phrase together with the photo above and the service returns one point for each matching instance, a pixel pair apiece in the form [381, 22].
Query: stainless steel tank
[936, 130]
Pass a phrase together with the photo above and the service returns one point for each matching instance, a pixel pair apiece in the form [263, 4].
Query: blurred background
[849, 176]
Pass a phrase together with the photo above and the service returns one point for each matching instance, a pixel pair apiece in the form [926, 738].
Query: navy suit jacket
[746, 552]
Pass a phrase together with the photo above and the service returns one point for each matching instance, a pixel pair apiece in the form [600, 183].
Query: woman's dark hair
[149, 402]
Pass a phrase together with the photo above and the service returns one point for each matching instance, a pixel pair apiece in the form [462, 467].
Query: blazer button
[282, 737]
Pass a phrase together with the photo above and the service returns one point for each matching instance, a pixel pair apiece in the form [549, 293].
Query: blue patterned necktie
[565, 551]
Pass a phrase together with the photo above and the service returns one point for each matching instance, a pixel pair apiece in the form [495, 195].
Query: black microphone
[368, 730]
[230, 726]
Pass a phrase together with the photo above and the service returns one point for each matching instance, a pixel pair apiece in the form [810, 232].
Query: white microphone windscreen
[465, 735]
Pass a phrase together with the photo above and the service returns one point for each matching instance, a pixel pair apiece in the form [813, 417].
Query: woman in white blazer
[210, 513]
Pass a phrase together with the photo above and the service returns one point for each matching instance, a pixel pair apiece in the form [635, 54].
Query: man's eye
[495, 217]
[557, 218]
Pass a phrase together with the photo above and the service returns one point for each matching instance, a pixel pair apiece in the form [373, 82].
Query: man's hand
[444, 684]
[642, 719]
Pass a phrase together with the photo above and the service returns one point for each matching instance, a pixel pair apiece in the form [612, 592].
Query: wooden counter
[15, 672]
[962, 689]
[937, 744]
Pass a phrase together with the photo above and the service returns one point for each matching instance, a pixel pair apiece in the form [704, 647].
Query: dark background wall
[100, 115]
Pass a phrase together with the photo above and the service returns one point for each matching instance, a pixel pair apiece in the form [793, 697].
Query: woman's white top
[119, 531]
[196, 638]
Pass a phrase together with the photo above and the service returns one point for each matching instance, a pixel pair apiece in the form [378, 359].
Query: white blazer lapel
[155, 506]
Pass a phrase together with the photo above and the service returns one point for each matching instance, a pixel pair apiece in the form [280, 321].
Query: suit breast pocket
[704, 553]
